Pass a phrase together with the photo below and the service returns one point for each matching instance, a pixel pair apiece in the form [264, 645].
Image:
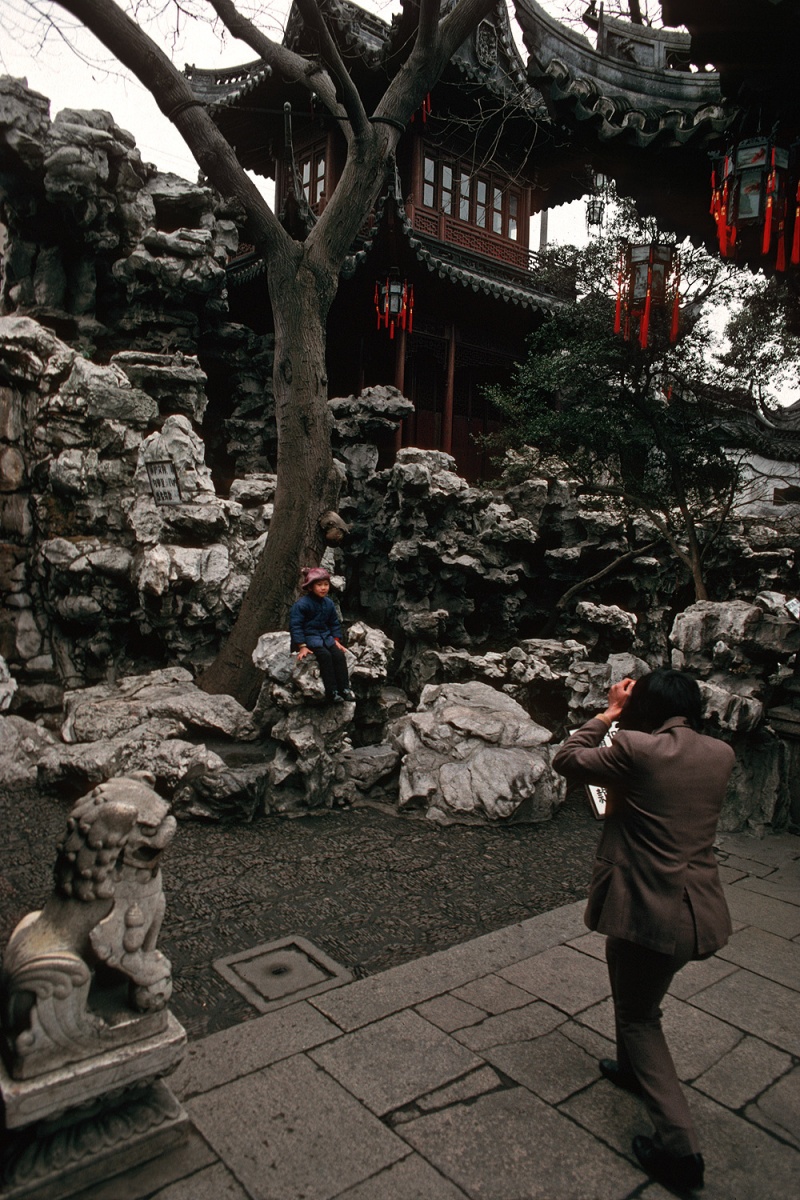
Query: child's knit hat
[310, 575]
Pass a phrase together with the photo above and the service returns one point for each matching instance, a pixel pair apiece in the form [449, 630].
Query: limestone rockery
[136, 485]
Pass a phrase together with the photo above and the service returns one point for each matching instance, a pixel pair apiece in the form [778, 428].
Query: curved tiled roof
[622, 98]
[221, 87]
[364, 36]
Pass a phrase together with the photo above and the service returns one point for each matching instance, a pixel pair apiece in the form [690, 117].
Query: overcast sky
[73, 70]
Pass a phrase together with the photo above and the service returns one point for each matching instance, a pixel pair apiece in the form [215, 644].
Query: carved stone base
[54, 1159]
[106, 1074]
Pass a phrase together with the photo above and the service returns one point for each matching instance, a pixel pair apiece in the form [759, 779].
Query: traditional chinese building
[443, 286]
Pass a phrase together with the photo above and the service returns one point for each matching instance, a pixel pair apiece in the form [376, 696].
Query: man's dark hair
[660, 695]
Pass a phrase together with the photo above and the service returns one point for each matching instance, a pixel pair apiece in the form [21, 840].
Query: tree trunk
[307, 482]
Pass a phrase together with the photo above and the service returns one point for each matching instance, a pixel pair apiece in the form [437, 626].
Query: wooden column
[449, 388]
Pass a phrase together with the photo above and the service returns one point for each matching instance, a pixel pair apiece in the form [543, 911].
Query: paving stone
[756, 1005]
[765, 912]
[774, 850]
[765, 954]
[186, 1161]
[551, 1066]
[743, 1162]
[290, 1132]
[563, 977]
[512, 1146]
[223, 1056]
[654, 1191]
[612, 1115]
[783, 884]
[476, 1084]
[729, 874]
[214, 1183]
[518, 1025]
[390, 1063]
[749, 1068]
[410, 1179]
[591, 943]
[593, 1043]
[698, 975]
[367, 1000]
[493, 994]
[696, 1039]
[600, 1018]
[746, 866]
[779, 1107]
[449, 1013]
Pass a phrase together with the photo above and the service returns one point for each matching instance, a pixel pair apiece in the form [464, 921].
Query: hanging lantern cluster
[394, 304]
[648, 275]
[754, 197]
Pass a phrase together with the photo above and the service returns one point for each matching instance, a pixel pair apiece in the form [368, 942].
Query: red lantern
[750, 189]
[394, 304]
[648, 275]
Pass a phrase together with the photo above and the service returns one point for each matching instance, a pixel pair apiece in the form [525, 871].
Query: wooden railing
[468, 237]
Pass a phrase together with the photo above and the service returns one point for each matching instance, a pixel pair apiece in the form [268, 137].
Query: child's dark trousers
[332, 668]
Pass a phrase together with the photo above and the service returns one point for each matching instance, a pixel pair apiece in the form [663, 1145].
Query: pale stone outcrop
[471, 752]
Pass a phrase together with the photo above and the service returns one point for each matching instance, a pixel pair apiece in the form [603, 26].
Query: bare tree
[302, 276]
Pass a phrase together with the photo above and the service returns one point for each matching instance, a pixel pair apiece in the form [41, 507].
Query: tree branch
[292, 67]
[564, 600]
[351, 100]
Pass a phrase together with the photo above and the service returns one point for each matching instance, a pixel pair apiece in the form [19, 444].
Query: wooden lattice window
[312, 167]
[478, 198]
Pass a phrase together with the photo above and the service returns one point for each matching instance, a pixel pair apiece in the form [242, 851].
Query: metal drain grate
[279, 973]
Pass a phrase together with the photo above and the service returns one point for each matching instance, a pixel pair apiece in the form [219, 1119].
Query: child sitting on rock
[315, 629]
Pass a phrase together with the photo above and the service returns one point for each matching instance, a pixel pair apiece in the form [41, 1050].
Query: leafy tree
[302, 276]
[764, 340]
[643, 425]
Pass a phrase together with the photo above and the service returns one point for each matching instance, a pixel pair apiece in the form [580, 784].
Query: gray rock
[22, 744]
[152, 745]
[227, 793]
[104, 711]
[470, 752]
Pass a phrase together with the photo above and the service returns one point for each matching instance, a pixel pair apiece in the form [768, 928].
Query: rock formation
[136, 442]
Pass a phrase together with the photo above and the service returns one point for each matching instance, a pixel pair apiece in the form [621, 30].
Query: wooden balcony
[467, 237]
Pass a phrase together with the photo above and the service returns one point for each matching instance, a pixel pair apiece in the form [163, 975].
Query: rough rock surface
[471, 752]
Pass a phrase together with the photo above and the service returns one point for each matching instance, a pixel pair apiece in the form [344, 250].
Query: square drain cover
[281, 972]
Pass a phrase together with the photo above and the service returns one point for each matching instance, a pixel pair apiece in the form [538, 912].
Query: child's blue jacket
[315, 621]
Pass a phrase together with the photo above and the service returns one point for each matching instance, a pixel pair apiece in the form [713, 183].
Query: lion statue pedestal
[85, 1032]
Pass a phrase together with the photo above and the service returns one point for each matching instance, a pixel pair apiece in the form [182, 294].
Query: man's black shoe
[335, 698]
[621, 1079]
[684, 1172]
[348, 695]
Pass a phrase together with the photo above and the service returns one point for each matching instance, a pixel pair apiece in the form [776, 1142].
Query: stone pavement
[473, 1072]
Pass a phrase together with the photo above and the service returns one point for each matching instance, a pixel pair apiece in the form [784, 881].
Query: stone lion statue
[84, 974]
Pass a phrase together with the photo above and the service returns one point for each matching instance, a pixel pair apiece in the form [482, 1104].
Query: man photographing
[655, 890]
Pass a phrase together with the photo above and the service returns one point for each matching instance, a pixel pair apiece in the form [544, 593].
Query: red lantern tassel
[767, 238]
[618, 310]
[410, 308]
[676, 316]
[644, 327]
[796, 235]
